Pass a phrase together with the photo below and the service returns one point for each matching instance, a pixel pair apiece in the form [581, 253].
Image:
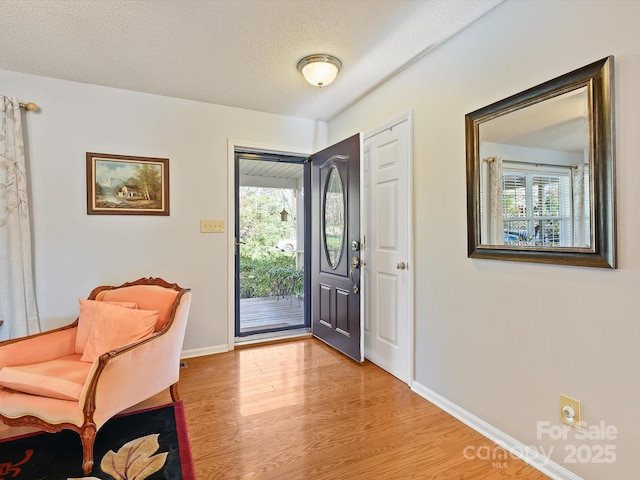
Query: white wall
[503, 340]
[75, 252]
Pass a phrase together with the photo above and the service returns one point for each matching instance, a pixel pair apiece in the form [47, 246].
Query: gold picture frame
[127, 185]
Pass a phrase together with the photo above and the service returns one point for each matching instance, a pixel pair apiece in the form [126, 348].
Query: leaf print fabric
[135, 460]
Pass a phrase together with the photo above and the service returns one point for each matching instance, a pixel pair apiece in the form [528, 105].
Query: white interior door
[388, 202]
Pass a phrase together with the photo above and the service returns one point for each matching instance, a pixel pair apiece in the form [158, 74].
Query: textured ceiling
[240, 53]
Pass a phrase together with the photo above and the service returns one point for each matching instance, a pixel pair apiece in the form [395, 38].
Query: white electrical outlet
[569, 411]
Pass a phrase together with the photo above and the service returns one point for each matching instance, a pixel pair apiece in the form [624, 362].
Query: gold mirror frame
[598, 77]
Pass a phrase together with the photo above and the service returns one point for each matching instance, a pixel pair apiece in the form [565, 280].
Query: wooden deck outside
[270, 312]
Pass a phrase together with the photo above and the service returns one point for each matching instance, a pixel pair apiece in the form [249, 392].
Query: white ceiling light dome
[320, 69]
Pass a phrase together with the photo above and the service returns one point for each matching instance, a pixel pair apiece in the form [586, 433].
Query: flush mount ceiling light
[319, 69]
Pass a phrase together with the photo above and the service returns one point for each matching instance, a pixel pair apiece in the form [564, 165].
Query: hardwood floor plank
[299, 410]
[302, 411]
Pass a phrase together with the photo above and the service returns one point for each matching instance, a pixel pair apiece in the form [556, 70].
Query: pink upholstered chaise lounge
[79, 376]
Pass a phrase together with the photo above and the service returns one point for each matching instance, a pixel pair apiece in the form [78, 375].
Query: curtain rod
[537, 164]
[29, 107]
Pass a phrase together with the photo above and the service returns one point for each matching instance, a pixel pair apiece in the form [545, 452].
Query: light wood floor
[301, 411]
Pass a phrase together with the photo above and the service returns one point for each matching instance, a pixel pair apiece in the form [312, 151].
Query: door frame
[232, 145]
[405, 117]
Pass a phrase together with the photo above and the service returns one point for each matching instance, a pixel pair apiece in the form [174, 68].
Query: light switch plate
[212, 226]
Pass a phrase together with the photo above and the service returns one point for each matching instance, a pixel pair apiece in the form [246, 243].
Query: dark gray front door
[336, 247]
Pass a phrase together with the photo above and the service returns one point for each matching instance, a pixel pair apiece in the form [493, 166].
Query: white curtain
[496, 224]
[17, 294]
[579, 207]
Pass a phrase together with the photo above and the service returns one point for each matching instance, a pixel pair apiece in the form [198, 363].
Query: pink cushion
[148, 297]
[115, 327]
[88, 310]
[62, 378]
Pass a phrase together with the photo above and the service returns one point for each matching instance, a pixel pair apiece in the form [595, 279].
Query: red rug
[159, 432]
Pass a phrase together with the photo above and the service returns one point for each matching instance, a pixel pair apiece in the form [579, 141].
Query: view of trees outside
[265, 270]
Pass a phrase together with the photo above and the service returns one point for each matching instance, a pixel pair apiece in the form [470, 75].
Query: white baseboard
[510, 444]
[199, 352]
[251, 339]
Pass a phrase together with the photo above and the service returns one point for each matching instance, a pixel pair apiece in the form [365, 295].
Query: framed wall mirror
[540, 173]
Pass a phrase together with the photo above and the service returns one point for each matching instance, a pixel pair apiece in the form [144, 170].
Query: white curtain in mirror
[17, 294]
[580, 236]
[496, 224]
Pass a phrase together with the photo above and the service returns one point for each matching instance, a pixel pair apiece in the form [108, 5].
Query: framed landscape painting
[125, 185]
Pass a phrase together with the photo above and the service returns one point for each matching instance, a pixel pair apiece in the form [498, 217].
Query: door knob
[401, 265]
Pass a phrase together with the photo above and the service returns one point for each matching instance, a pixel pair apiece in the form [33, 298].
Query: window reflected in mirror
[535, 175]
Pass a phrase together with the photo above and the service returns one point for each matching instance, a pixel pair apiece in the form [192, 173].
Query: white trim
[231, 242]
[363, 278]
[510, 444]
[200, 352]
[232, 145]
[406, 117]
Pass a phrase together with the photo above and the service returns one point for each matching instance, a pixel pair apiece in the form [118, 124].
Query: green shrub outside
[265, 271]
[274, 274]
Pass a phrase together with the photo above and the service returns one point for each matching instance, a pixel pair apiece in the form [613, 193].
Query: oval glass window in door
[334, 225]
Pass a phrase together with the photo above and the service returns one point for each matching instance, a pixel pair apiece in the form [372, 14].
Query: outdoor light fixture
[319, 69]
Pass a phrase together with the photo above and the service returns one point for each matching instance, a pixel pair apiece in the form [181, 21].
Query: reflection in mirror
[334, 225]
[534, 176]
[540, 172]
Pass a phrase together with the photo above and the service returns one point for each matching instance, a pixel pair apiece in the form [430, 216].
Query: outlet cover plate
[573, 403]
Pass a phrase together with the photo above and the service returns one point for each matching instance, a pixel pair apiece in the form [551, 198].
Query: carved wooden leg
[88, 436]
[173, 389]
